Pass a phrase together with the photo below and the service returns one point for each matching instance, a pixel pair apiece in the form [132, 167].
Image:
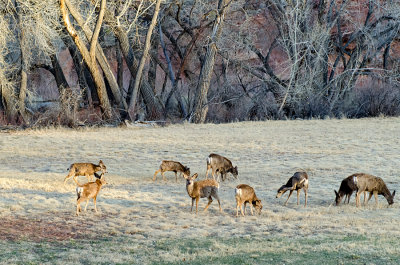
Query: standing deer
[246, 194]
[207, 188]
[220, 164]
[347, 187]
[374, 185]
[172, 166]
[297, 182]
[88, 191]
[85, 169]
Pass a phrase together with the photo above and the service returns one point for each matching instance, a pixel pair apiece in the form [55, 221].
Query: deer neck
[190, 189]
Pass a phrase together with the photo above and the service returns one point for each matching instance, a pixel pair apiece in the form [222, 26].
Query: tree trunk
[153, 106]
[61, 81]
[88, 58]
[24, 67]
[201, 103]
[132, 102]
[100, 56]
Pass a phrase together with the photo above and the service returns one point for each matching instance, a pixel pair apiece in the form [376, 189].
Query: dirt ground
[154, 217]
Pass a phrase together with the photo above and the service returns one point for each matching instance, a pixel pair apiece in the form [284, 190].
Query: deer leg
[245, 204]
[94, 201]
[348, 197]
[78, 206]
[365, 194]
[208, 169]
[369, 198]
[191, 209]
[70, 174]
[76, 180]
[87, 202]
[237, 208]
[358, 199]
[241, 209]
[376, 197]
[290, 194]
[155, 174]
[213, 173]
[88, 176]
[197, 203]
[251, 208]
[176, 177]
[210, 200]
[305, 195]
[219, 202]
[298, 197]
[163, 176]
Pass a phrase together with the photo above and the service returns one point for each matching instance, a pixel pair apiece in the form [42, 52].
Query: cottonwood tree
[89, 55]
[32, 24]
[201, 106]
[327, 48]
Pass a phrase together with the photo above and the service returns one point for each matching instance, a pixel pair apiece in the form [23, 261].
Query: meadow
[145, 222]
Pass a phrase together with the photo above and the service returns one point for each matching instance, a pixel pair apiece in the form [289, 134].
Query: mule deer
[85, 169]
[374, 185]
[346, 189]
[220, 164]
[88, 191]
[207, 188]
[172, 166]
[246, 194]
[297, 182]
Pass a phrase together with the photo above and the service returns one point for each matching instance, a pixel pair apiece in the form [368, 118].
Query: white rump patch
[305, 182]
[238, 192]
[209, 160]
[355, 180]
[79, 190]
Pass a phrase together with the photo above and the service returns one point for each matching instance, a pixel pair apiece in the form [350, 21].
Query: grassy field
[145, 222]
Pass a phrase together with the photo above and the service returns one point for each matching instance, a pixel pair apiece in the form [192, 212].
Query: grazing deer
[207, 188]
[297, 182]
[88, 191]
[172, 166]
[374, 185]
[246, 194]
[347, 187]
[85, 169]
[220, 164]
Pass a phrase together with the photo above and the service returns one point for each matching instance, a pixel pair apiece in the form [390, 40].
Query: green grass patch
[269, 250]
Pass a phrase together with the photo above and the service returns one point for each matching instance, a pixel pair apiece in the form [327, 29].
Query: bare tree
[90, 56]
[143, 60]
[201, 107]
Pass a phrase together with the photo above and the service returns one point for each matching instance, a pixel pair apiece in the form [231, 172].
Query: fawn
[88, 191]
[246, 194]
[220, 164]
[297, 182]
[207, 188]
[172, 166]
[85, 169]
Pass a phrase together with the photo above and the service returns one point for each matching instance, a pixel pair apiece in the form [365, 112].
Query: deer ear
[394, 192]
[195, 176]
[100, 162]
[336, 193]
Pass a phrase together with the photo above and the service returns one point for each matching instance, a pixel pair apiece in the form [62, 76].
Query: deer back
[203, 187]
[167, 165]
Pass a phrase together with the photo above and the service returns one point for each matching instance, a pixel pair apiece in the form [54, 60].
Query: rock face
[263, 31]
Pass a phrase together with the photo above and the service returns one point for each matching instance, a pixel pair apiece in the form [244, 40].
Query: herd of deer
[208, 188]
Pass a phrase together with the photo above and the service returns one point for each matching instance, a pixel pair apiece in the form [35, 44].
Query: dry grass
[146, 222]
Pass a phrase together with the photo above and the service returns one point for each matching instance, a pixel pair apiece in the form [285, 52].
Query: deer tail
[79, 191]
